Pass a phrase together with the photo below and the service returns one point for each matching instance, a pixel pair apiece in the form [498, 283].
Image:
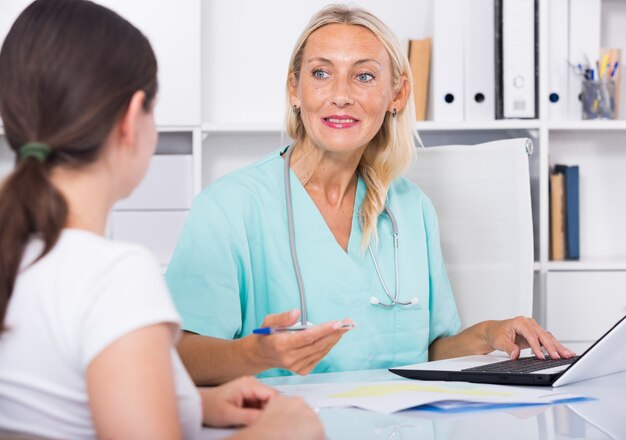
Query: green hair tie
[38, 150]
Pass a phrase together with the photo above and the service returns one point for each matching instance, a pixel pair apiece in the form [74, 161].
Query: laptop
[606, 356]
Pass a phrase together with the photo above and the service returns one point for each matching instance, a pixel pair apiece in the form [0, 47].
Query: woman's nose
[342, 93]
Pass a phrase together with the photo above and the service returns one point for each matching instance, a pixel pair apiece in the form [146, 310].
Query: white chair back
[482, 197]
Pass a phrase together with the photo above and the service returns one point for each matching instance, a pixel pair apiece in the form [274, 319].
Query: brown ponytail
[68, 69]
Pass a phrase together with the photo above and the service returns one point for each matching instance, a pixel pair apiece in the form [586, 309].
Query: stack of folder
[485, 59]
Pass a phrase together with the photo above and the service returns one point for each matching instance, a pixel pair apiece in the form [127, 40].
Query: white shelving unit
[222, 99]
[580, 300]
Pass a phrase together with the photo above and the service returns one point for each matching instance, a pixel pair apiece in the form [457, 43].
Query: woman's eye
[365, 77]
[320, 74]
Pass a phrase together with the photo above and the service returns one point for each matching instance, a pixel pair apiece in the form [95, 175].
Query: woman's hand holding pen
[300, 351]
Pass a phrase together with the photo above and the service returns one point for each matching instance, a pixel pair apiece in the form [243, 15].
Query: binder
[497, 29]
[446, 95]
[572, 211]
[419, 58]
[479, 77]
[557, 217]
[519, 59]
[558, 67]
[584, 48]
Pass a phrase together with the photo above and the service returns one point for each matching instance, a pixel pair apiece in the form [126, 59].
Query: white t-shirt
[65, 309]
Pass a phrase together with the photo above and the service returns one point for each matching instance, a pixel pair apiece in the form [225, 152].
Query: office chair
[482, 197]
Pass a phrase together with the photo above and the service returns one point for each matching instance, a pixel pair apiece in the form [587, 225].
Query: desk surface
[602, 418]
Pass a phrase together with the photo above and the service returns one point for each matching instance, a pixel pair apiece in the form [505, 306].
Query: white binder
[584, 47]
[479, 84]
[446, 95]
[518, 58]
[558, 67]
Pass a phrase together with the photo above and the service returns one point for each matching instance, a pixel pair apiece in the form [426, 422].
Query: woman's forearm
[470, 341]
[508, 335]
[213, 361]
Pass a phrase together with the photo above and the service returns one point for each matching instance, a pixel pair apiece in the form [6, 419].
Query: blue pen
[615, 66]
[295, 328]
[272, 330]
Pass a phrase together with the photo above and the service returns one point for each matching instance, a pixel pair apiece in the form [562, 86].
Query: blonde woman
[327, 227]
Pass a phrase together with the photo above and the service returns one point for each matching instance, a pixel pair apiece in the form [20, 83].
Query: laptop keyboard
[521, 365]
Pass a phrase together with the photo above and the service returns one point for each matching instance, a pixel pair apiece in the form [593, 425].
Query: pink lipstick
[340, 121]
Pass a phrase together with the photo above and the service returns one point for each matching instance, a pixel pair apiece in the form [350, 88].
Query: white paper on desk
[389, 397]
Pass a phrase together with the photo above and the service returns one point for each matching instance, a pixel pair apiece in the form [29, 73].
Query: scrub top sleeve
[444, 317]
[204, 273]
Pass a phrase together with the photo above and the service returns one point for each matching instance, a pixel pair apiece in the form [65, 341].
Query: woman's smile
[340, 121]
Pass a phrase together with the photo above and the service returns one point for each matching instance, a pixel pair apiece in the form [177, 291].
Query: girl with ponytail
[87, 325]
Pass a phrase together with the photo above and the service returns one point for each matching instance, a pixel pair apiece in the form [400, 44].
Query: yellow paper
[386, 389]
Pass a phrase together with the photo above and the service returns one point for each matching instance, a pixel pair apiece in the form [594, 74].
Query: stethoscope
[394, 300]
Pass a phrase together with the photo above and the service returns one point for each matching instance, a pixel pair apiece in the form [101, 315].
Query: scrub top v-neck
[232, 267]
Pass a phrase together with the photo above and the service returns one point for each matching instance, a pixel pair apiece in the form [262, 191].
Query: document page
[389, 397]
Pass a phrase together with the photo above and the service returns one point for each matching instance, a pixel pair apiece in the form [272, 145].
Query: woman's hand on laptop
[514, 335]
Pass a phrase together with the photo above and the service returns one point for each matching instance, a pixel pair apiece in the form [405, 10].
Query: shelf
[597, 125]
[160, 128]
[509, 124]
[176, 128]
[227, 128]
[501, 124]
[512, 124]
[588, 264]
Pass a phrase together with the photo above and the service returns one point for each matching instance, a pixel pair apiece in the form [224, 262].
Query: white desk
[603, 418]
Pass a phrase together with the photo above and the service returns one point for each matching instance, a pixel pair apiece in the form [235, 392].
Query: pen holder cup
[598, 99]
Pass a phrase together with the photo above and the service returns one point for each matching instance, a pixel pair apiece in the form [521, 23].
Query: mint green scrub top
[232, 266]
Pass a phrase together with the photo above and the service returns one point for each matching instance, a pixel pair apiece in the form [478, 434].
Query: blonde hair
[392, 149]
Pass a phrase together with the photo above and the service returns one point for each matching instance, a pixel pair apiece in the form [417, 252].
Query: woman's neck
[330, 179]
[89, 196]
[330, 176]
